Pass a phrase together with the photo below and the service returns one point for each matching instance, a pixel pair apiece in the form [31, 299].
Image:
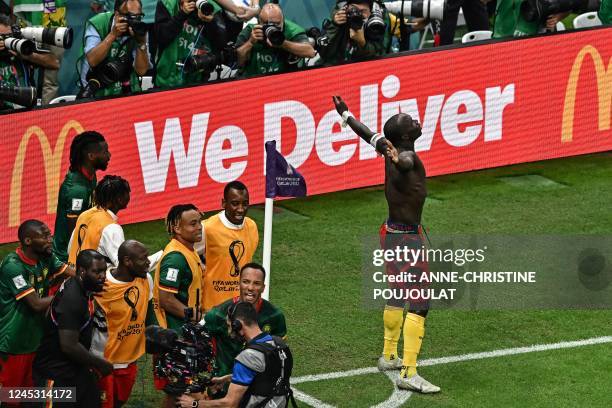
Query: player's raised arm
[375, 139]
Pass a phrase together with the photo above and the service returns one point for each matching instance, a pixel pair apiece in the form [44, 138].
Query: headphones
[235, 324]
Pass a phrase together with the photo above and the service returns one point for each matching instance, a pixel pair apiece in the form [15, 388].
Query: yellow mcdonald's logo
[52, 160]
[604, 91]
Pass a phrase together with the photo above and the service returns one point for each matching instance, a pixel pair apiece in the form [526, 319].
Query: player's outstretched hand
[340, 104]
[391, 152]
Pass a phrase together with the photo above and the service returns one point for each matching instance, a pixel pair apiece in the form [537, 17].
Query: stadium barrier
[481, 106]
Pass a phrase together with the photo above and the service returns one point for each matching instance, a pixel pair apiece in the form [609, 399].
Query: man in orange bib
[121, 309]
[229, 243]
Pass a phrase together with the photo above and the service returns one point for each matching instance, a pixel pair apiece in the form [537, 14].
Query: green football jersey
[174, 273]
[20, 327]
[269, 317]
[74, 198]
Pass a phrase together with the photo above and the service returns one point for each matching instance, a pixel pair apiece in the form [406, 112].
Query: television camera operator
[358, 29]
[116, 52]
[261, 372]
[191, 39]
[275, 44]
[18, 59]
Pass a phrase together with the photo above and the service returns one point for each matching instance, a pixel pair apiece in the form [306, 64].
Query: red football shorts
[117, 386]
[16, 371]
[394, 235]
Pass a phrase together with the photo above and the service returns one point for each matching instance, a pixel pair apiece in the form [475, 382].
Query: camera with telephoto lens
[105, 74]
[134, 21]
[205, 7]
[539, 10]
[19, 45]
[432, 9]
[209, 61]
[187, 360]
[58, 36]
[375, 24]
[274, 33]
[19, 95]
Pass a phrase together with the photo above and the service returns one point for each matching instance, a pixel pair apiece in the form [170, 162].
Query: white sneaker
[386, 365]
[418, 384]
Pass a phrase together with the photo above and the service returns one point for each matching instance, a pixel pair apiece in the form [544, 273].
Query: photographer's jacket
[179, 36]
[123, 47]
[605, 12]
[265, 59]
[509, 22]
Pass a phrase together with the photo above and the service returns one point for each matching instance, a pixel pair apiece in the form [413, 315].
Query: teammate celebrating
[97, 228]
[405, 191]
[269, 318]
[88, 153]
[24, 283]
[119, 320]
[230, 241]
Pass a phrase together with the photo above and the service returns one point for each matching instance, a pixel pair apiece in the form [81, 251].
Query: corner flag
[282, 180]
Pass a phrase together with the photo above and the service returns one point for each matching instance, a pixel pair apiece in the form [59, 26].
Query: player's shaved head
[129, 249]
[401, 126]
[133, 260]
[29, 229]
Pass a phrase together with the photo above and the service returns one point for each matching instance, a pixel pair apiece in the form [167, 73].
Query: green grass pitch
[316, 280]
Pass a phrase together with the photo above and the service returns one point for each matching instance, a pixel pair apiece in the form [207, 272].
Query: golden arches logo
[603, 75]
[52, 160]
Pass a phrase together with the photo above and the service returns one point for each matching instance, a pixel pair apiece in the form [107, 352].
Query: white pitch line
[463, 357]
[312, 401]
[397, 398]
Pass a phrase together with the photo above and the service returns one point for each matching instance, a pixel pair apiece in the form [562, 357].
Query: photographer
[260, 377]
[509, 21]
[63, 358]
[269, 318]
[274, 45]
[184, 32]
[117, 37]
[350, 38]
[18, 69]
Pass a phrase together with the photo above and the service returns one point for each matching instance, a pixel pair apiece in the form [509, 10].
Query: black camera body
[354, 18]
[134, 21]
[274, 33]
[106, 73]
[208, 62]
[186, 360]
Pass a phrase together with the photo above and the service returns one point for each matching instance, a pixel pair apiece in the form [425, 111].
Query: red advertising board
[480, 106]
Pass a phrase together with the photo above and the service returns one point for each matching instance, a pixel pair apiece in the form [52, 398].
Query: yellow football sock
[414, 330]
[392, 318]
